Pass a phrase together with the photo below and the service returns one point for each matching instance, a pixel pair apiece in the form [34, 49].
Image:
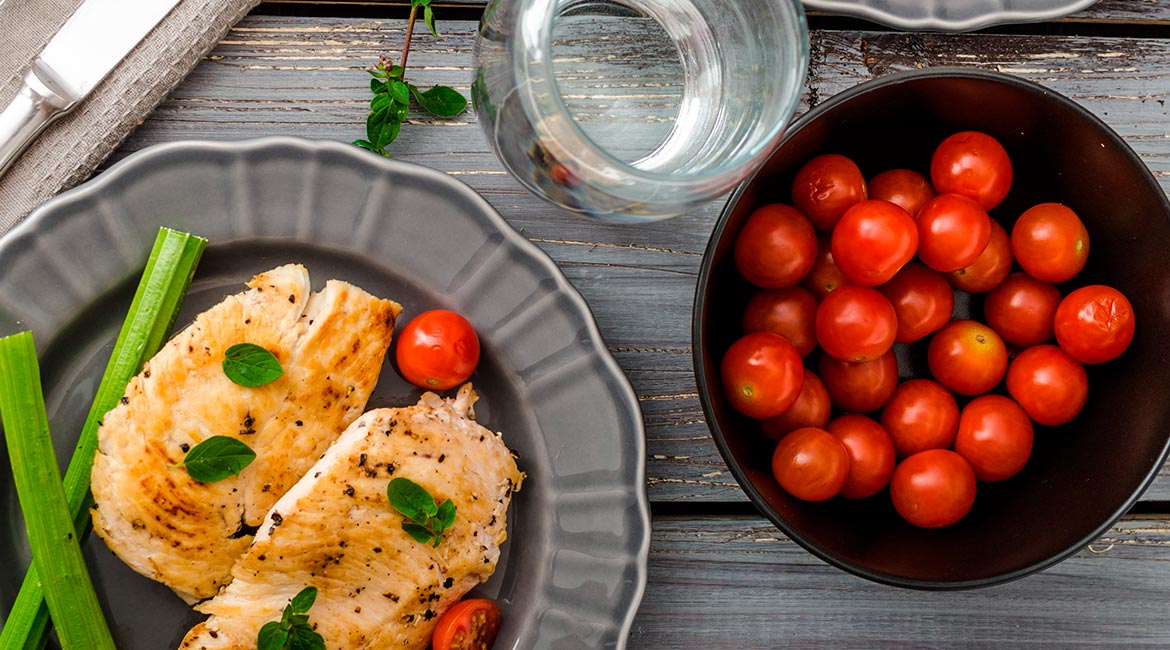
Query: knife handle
[39, 102]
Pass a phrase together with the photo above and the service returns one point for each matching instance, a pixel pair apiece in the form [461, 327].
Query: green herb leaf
[271, 637]
[364, 144]
[442, 101]
[376, 85]
[429, 19]
[381, 100]
[411, 499]
[446, 515]
[306, 638]
[395, 72]
[217, 458]
[293, 631]
[303, 601]
[399, 92]
[377, 73]
[419, 3]
[248, 364]
[421, 534]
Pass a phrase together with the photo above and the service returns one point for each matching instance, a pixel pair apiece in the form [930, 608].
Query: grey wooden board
[737, 583]
[305, 76]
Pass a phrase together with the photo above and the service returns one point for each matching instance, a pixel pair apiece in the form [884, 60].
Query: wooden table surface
[721, 575]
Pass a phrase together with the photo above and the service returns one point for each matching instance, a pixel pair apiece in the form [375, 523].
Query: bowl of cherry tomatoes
[929, 331]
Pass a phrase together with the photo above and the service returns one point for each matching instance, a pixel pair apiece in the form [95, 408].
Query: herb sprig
[392, 94]
[217, 458]
[292, 631]
[248, 364]
[425, 521]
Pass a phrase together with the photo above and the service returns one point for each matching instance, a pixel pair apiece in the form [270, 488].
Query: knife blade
[90, 44]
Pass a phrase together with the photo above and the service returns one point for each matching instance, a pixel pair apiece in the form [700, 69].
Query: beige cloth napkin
[69, 150]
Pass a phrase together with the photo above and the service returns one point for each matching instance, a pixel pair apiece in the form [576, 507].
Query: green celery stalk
[56, 550]
[156, 304]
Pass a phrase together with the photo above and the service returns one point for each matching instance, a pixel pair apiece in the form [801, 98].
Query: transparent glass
[634, 110]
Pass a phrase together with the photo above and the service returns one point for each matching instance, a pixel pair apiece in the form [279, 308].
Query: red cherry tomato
[470, 624]
[967, 357]
[904, 188]
[995, 436]
[1050, 385]
[811, 409]
[1094, 324]
[810, 464]
[922, 301]
[776, 247]
[933, 488]
[1022, 310]
[953, 230]
[972, 164]
[872, 241]
[991, 267]
[825, 187]
[860, 387]
[856, 323]
[921, 415]
[762, 375]
[824, 276]
[1050, 242]
[437, 350]
[790, 312]
[871, 455]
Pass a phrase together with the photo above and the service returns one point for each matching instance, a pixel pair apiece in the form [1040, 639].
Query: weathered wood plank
[304, 76]
[737, 582]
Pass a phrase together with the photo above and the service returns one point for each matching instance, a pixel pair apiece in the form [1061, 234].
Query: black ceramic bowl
[1082, 476]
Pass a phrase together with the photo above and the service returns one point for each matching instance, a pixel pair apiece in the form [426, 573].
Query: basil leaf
[399, 92]
[446, 515]
[248, 364]
[421, 534]
[305, 637]
[411, 499]
[271, 637]
[303, 601]
[429, 19]
[442, 101]
[217, 458]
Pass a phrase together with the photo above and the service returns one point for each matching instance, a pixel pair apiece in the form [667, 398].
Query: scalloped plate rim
[864, 9]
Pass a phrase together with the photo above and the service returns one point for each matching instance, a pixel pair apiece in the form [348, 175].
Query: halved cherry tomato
[1050, 242]
[790, 312]
[953, 230]
[973, 164]
[995, 436]
[437, 350]
[811, 409]
[921, 415]
[762, 375]
[860, 387]
[967, 357]
[904, 188]
[922, 300]
[872, 241]
[825, 187]
[933, 488]
[810, 464]
[1022, 309]
[1050, 385]
[776, 247]
[470, 624]
[871, 455]
[824, 276]
[1094, 324]
[990, 269]
[856, 323]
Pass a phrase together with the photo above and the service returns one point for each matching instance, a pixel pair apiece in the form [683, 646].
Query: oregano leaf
[248, 364]
[217, 458]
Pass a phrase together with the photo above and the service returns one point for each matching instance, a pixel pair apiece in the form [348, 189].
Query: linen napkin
[68, 151]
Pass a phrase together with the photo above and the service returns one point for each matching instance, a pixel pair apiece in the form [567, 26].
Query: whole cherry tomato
[922, 300]
[995, 436]
[904, 188]
[991, 267]
[1094, 324]
[825, 187]
[872, 241]
[810, 464]
[1050, 242]
[790, 312]
[967, 357]
[776, 247]
[824, 276]
[973, 164]
[470, 624]
[871, 455]
[811, 409]
[933, 488]
[437, 350]
[921, 415]
[953, 230]
[860, 387]
[1022, 309]
[1050, 385]
[856, 323]
[762, 375]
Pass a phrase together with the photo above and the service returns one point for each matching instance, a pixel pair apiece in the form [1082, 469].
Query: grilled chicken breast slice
[335, 530]
[188, 534]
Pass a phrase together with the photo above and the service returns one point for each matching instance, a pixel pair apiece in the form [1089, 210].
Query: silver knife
[94, 39]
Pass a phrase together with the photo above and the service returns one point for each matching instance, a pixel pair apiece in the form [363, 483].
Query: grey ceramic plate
[574, 567]
[951, 15]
